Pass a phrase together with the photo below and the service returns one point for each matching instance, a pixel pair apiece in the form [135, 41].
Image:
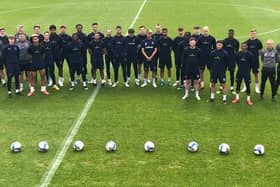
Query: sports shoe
[45, 92]
[18, 92]
[137, 82]
[126, 84]
[30, 93]
[55, 87]
[185, 97]
[176, 83]
[128, 79]
[60, 83]
[161, 82]
[94, 82]
[9, 93]
[211, 100]
[249, 102]
[197, 97]
[109, 82]
[169, 83]
[149, 81]
[234, 101]
[154, 84]
[144, 84]
[115, 85]
[85, 85]
[103, 82]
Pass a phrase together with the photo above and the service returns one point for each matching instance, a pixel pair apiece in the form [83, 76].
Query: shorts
[37, 66]
[150, 65]
[255, 66]
[165, 62]
[97, 64]
[24, 66]
[192, 75]
[140, 59]
[215, 77]
[205, 62]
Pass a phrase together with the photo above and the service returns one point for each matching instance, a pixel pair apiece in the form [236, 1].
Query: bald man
[269, 58]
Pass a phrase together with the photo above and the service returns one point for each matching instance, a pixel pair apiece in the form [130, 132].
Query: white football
[259, 149]
[224, 148]
[16, 147]
[111, 146]
[78, 145]
[193, 146]
[149, 146]
[43, 146]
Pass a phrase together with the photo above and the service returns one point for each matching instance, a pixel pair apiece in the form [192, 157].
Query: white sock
[248, 98]
[21, 85]
[257, 85]
[237, 96]
[43, 88]
[186, 92]
[212, 95]
[224, 97]
[145, 80]
[32, 89]
[154, 80]
[3, 81]
[196, 93]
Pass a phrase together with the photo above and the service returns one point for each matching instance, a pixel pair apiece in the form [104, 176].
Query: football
[78, 145]
[149, 146]
[111, 146]
[16, 147]
[193, 147]
[43, 146]
[259, 149]
[224, 148]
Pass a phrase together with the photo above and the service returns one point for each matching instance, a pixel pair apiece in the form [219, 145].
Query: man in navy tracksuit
[178, 47]
[3, 41]
[231, 45]
[244, 61]
[131, 55]
[96, 50]
[206, 43]
[11, 59]
[57, 42]
[74, 52]
[95, 30]
[218, 62]
[65, 40]
[118, 45]
[109, 54]
[83, 38]
[140, 58]
[50, 49]
[164, 52]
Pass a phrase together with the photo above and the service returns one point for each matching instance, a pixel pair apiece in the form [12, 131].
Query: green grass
[132, 116]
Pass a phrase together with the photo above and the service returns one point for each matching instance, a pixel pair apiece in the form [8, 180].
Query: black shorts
[205, 62]
[255, 66]
[150, 65]
[140, 59]
[165, 62]
[216, 76]
[97, 64]
[192, 75]
[37, 66]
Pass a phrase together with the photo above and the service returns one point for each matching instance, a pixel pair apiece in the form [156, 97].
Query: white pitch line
[261, 34]
[61, 152]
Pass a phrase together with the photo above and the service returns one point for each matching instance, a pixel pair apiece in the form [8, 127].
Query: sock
[237, 96]
[21, 85]
[224, 97]
[186, 92]
[248, 98]
[32, 89]
[212, 95]
[3, 81]
[196, 93]
[145, 80]
[43, 88]
[257, 85]
[169, 79]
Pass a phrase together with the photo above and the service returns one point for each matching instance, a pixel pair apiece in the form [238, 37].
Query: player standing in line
[3, 41]
[96, 50]
[83, 38]
[74, 52]
[164, 53]
[11, 59]
[24, 58]
[131, 55]
[255, 46]
[191, 57]
[95, 29]
[149, 49]
[206, 43]
[196, 33]
[178, 48]
[269, 57]
[56, 42]
[20, 30]
[109, 54]
[50, 49]
[156, 36]
[140, 58]
[118, 46]
[37, 31]
[218, 62]
[37, 53]
[244, 60]
[231, 45]
[65, 40]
